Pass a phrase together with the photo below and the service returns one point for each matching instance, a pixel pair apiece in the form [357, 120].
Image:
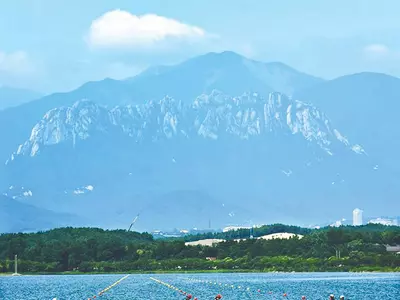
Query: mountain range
[16, 216]
[365, 106]
[217, 139]
[10, 97]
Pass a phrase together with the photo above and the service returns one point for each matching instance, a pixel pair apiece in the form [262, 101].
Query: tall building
[357, 217]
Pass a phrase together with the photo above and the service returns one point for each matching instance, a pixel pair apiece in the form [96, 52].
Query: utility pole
[15, 266]
[337, 249]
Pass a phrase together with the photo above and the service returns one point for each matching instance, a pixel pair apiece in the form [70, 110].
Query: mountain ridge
[201, 77]
[12, 97]
[221, 146]
[250, 157]
[16, 216]
[277, 111]
[368, 105]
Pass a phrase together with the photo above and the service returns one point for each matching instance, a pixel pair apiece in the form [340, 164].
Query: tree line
[345, 248]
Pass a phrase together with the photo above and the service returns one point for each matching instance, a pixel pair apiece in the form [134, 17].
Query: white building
[357, 217]
[384, 221]
[234, 228]
[338, 223]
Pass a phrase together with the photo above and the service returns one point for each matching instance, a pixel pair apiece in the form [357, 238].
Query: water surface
[317, 286]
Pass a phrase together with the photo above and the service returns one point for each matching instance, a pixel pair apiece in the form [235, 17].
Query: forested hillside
[97, 250]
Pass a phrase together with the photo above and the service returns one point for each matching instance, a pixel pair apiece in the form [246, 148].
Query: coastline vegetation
[93, 250]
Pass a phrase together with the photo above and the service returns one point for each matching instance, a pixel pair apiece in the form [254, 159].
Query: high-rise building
[357, 217]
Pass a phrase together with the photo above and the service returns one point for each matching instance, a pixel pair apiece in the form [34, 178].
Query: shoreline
[196, 272]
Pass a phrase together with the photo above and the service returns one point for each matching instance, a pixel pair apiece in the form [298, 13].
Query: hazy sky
[53, 45]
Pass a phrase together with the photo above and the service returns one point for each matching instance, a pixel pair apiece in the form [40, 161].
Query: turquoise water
[369, 286]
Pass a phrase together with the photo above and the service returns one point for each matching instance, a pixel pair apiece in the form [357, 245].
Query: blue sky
[54, 45]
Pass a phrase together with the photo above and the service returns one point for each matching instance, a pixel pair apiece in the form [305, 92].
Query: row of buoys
[109, 287]
[231, 286]
[170, 286]
[258, 291]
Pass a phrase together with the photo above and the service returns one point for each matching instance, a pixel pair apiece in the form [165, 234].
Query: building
[235, 228]
[384, 221]
[357, 217]
[211, 258]
[395, 249]
[336, 224]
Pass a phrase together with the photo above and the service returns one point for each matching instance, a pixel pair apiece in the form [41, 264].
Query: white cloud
[15, 63]
[377, 50]
[121, 29]
[18, 69]
[381, 53]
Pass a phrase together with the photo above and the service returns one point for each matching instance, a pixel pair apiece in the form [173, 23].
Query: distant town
[358, 220]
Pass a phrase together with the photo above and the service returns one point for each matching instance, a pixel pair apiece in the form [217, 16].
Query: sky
[54, 45]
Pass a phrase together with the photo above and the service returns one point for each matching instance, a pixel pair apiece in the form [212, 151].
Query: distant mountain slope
[366, 105]
[10, 97]
[270, 158]
[19, 120]
[229, 159]
[16, 216]
[212, 116]
[226, 71]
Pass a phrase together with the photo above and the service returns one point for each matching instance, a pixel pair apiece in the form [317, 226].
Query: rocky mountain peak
[209, 117]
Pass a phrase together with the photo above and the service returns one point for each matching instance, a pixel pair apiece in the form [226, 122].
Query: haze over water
[316, 286]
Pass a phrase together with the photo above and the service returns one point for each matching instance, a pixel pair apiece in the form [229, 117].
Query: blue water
[316, 286]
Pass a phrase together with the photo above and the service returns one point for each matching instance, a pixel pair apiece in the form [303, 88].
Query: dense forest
[345, 248]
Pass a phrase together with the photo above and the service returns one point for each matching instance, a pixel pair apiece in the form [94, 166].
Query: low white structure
[281, 235]
[234, 228]
[393, 248]
[211, 242]
[384, 221]
[206, 242]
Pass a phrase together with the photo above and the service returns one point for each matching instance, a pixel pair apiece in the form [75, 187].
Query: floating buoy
[188, 296]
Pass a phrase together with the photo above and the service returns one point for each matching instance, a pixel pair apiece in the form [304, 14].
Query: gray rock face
[234, 159]
[209, 116]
